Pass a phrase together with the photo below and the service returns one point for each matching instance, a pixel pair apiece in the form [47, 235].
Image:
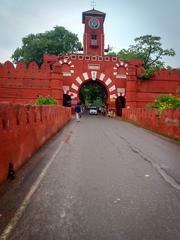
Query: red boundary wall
[22, 83]
[141, 92]
[168, 123]
[24, 128]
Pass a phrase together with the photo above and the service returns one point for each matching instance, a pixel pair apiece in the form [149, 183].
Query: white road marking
[13, 222]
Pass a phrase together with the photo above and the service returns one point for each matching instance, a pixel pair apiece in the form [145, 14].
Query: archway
[93, 93]
[66, 100]
[120, 103]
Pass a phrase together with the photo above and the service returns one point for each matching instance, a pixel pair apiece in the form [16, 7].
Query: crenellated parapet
[21, 70]
[66, 74]
[24, 129]
[22, 83]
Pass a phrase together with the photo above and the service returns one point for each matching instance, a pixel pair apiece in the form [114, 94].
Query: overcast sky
[125, 20]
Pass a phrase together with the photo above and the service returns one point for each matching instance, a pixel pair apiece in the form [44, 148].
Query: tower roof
[92, 12]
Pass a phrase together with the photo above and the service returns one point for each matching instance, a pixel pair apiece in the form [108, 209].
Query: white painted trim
[74, 86]
[113, 96]
[74, 95]
[102, 75]
[85, 75]
[108, 81]
[112, 88]
[93, 75]
[78, 79]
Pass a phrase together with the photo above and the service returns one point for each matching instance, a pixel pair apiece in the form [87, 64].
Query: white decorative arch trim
[85, 75]
[94, 75]
[108, 81]
[113, 96]
[73, 95]
[74, 86]
[78, 79]
[102, 75]
[112, 88]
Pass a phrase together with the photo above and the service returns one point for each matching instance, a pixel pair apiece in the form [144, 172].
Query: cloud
[123, 22]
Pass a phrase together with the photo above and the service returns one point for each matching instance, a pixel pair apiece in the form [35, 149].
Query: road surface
[100, 179]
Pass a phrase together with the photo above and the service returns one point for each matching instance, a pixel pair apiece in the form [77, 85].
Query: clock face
[94, 23]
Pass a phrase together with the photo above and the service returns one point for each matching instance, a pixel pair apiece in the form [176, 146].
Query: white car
[93, 111]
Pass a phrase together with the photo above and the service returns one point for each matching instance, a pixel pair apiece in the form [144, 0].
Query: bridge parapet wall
[24, 128]
[168, 123]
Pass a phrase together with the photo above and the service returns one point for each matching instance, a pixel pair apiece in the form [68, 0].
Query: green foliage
[92, 93]
[165, 101]
[55, 41]
[149, 49]
[128, 54]
[46, 101]
[149, 73]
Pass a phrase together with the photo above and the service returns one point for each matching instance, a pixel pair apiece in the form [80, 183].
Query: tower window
[94, 41]
[94, 37]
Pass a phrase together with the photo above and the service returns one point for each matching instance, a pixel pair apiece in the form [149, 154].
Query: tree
[149, 49]
[92, 93]
[52, 42]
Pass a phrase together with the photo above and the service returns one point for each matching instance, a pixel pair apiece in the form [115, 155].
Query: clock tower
[93, 32]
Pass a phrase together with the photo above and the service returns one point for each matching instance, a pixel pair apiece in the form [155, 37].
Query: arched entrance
[93, 93]
[120, 103]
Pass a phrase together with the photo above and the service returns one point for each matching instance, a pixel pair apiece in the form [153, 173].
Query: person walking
[78, 112]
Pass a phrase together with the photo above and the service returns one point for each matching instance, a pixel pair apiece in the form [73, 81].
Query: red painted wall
[141, 92]
[22, 84]
[88, 32]
[168, 123]
[23, 129]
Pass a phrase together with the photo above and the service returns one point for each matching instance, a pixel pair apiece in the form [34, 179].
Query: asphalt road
[100, 179]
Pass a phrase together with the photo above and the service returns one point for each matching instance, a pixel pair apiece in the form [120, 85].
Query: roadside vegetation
[43, 101]
[165, 101]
